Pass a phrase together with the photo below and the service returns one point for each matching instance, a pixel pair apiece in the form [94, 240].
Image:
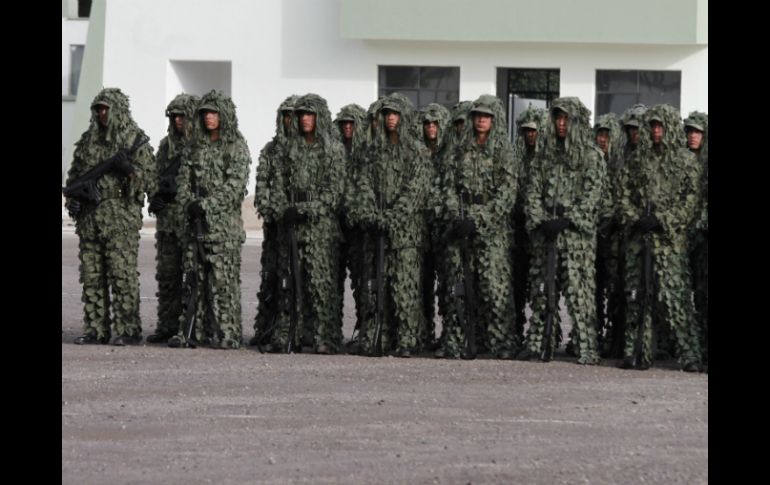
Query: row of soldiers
[407, 199]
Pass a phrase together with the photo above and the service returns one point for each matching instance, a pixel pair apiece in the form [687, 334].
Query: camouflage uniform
[699, 247]
[310, 187]
[531, 118]
[482, 180]
[168, 228]
[273, 251]
[211, 188]
[109, 230]
[395, 174]
[663, 179]
[563, 203]
[352, 238]
[433, 242]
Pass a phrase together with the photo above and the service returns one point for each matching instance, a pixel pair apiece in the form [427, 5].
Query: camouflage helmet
[460, 110]
[185, 105]
[697, 120]
[668, 116]
[228, 121]
[530, 118]
[633, 115]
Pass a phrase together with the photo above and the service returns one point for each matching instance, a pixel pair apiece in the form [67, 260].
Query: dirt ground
[150, 414]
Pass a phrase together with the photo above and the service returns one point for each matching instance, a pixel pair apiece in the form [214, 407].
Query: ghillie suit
[562, 210]
[433, 245]
[659, 198]
[530, 119]
[699, 247]
[308, 197]
[109, 229]
[170, 218]
[388, 200]
[212, 186]
[273, 248]
[478, 190]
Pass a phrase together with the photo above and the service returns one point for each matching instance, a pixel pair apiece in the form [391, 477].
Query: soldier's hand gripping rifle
[296, 306]
[84, 187]
[647, 291]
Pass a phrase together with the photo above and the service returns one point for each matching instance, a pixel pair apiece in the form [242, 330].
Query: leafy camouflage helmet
[697, 120]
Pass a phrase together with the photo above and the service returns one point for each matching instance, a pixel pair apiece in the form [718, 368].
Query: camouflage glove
[74, 207]
[194, 209]
[292, 216]
[122, 163]
[157, 204]
[464, 227]
[553, 227]
[647, 224]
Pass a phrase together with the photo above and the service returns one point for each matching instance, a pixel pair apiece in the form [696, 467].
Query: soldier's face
[561, 123]
[347, 129]
[179, 123]
[633, 135]
[211, 120]
[430, 130]
[459, 125]
[102, 113]
[306, 122]
[694, 138]
[482, 122]
[391, 120]
[656, 132]
[603, 140]
[530, 136]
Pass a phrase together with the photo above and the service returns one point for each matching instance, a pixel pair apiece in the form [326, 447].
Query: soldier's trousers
[108, 272]
[169, 275]
[671, 303]
[267, 295]
[575, 278]
[521, 288]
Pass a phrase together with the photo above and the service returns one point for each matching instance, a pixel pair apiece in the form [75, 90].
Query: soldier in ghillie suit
[459, 116]
[434, 122]
[388, 200]
[562, 209]
[479, 190]
[659, 196]
[108, 225]
[170, 218]
[608, 136]
[312, 182]
[696, 128]
[268, 169]
[350, 126]
[211, 188]
[530, 126]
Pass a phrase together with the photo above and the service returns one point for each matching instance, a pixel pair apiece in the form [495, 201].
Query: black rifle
[465, 297]
[380, 276]
[84, 187]
[550, 283]
[618, 328]
[296, 307]
[647, 293]
[199, 256]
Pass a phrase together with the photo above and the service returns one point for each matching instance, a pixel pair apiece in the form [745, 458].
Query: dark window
[84, 8]
[617, 91]
[422, 85]
[76, 61]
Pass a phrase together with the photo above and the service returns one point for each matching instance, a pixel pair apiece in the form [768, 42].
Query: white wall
[294, 47]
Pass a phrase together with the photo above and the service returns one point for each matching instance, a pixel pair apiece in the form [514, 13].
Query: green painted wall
[579, 21]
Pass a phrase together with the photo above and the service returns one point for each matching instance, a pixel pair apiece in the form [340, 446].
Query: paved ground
[150, 414]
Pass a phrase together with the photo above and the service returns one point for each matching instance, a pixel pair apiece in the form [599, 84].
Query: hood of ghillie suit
[610, 122]
[402, 104]
[531, 117]
[498, 135]
[579, 133]
[228, 121]
[186, 105]
[371, 115]
[700, 120]
[438, 113]
[356, 114]
[121, 127]
[633, 117]
[288, 104]
[673, 133]
[324, 130]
